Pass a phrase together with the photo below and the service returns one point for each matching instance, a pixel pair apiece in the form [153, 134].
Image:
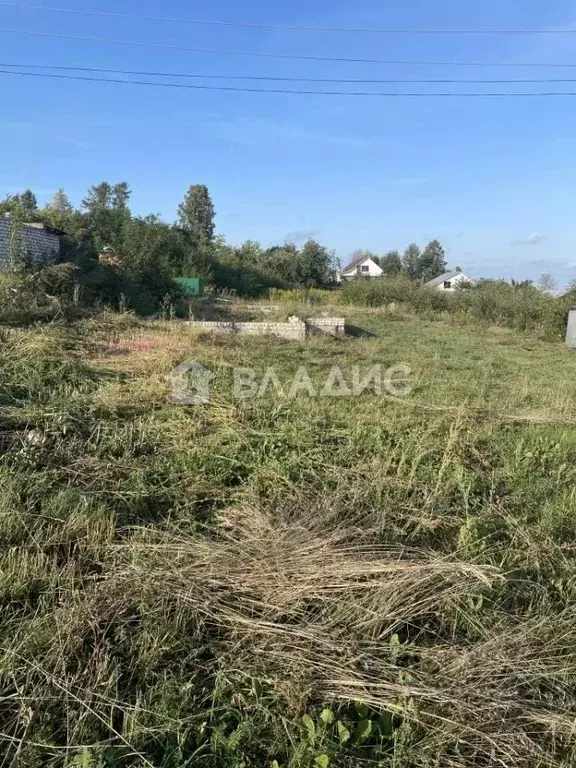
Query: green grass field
[287, 582]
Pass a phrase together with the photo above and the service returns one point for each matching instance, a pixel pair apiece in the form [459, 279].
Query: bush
[378, 292]
[303, 296]
[495, 302]
[28, 296]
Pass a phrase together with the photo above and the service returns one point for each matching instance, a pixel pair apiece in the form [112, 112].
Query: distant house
[361, 266]
[450, 281]
[40, 243]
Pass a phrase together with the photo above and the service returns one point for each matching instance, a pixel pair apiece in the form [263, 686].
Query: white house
[450, 281]
[361, 266]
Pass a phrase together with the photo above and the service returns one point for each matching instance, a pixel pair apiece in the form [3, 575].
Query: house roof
[444, 278]
[357, 261]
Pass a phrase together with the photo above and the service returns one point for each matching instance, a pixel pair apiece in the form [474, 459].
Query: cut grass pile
[293, 582]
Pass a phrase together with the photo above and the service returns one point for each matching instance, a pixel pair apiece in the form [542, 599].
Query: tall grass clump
[36, 295]
[37, 366]
[301, 296]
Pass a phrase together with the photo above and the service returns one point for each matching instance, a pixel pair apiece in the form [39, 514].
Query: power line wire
[292, 57]
[278, 90]
[290, 27]
[203, 76]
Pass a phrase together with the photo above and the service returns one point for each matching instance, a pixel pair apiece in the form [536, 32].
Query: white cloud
[534, 239]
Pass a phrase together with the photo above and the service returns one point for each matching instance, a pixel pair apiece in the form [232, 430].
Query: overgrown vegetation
[120, 259]
[113, 259]
[276, 582]
[520, 306]
[516, 305]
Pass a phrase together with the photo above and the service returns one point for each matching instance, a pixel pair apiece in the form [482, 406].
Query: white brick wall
[295, 329]
[333, 326]
[40, 243]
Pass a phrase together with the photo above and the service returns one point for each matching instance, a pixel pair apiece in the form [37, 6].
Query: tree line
[149, 252]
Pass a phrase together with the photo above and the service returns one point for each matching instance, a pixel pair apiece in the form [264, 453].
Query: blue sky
[493, 179]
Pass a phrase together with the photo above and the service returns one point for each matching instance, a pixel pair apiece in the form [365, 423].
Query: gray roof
[444, 278]
[357, 261]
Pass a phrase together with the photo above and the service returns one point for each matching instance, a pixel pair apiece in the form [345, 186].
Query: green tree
[23, 206]
[107, 213]
[98, 199]
[120, 196]
[29, 203]
[432, 262]
[391, 264]
[280, 262]
[59, 211]
[147, 248]
[97, 206]
[411, 260]
[239, 269]
[7, 205]
[314, 265]
[60, 203]
[196, 214]
[120, 214]
[249, 253]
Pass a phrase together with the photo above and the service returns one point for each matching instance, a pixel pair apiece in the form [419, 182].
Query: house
[450, 281]
[40, 243]
[361, 266]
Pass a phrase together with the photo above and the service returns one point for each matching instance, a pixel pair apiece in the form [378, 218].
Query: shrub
[378, 292]
[300, 296]
[495, 302]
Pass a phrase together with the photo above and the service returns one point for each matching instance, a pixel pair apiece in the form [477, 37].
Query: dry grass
[195, 587]
[334, 614]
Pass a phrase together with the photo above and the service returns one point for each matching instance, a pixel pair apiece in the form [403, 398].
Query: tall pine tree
[432, 262]
[60, 203]
[98, 199]
[58, 212]
[196, 215]
[120, 196]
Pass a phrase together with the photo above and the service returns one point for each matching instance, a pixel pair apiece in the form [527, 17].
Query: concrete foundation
[330, 326]
[295, 329]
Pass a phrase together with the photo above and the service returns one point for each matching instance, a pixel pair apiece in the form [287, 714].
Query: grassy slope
[299, 581]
